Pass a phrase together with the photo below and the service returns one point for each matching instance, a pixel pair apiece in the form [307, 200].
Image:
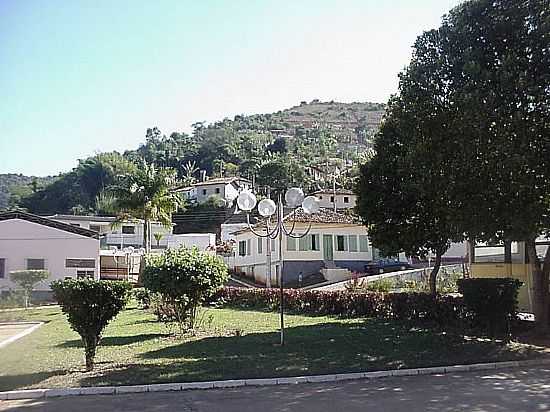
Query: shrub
[441, 310]
[90, 305]
[185, 278]
[491, 302]
[27, 280]
[143, 297]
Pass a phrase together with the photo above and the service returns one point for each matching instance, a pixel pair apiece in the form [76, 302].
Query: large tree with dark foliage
[476, 101]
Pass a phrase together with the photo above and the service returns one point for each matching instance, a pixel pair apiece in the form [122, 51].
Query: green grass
[235, 344]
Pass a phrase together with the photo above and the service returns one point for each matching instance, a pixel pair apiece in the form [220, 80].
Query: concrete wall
[202, 241]
[21, 240]
[518, 271]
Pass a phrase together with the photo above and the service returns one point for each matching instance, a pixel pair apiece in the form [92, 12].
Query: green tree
[27, 280]
[90, 305]
[146, 194]
[185, 278]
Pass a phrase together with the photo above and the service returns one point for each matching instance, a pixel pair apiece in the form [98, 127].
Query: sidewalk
[519, 390]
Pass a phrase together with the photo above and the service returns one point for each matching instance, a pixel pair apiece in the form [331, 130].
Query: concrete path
[510, 390]
[11, 331]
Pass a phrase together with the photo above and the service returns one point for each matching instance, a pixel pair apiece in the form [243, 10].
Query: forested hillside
[13, 187]
[313, 145]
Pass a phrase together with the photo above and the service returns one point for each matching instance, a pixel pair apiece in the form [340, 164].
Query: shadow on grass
[116, 340]
[9, 382]
[310, 350]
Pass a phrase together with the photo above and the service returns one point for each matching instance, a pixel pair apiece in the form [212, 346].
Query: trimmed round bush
[90, 305]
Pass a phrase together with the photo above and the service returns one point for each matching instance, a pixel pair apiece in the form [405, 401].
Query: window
[2, 268]
[353, 243]
[128, 230]
[315, 243]
[304, 243]
[291, 243]
[204, 192]
[242, 248]
[341, 243]
[260, 245]
[248, 247]
[75, 224]
[332, 199]
[35, 264]
[83, 274]
[363, 243]
[273, 245]
[320, 197]
[80, 263]
[346, 199]
[95, 228]
[217, 190]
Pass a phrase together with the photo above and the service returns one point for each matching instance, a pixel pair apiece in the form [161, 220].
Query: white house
[339, 198]
[28, 241]
[336, 245]
[121, 235]
[222, 187]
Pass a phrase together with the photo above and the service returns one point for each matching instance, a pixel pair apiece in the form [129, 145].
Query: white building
[223, 187]
[341, 198]
[336, 246]
[32, 242]
[120, 235]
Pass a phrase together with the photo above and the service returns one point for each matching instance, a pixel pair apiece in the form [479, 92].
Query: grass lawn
[235, 344]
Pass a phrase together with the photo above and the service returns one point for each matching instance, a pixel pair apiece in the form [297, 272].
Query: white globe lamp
[246, 200]
[294, 196]
[267, 207]
[310, 205]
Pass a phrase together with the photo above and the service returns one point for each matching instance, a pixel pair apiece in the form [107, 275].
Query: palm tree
[147, 194]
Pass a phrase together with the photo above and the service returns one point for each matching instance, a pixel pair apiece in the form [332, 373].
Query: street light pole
[281, 270]
[294, 197]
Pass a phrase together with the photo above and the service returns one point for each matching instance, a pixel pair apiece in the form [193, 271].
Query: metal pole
[267, 258]
[282, 300]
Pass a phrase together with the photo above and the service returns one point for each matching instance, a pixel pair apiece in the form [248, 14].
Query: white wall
[330, 229]
[21, 240]
[324, 200]
[202, 241]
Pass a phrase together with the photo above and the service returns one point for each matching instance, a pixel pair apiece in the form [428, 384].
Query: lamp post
[267, 208]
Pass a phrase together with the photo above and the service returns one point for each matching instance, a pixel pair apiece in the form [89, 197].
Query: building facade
[32, 242]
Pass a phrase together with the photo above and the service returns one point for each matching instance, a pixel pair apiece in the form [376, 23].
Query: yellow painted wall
[520, 271]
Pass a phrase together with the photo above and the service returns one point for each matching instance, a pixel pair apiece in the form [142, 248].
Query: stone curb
[166, 387]
[20, 334]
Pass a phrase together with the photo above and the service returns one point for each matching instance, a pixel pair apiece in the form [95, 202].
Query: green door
[328, 248]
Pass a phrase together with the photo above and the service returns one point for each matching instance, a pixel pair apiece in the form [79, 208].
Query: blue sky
[79, 77]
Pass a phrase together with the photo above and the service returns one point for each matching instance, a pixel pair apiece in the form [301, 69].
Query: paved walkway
[510, 390]
[9, 331]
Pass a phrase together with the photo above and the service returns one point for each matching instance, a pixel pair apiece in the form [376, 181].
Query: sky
[81, 77]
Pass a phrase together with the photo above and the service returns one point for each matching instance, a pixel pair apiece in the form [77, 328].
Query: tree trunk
[90, 346]
[433, 274]
[540, 286]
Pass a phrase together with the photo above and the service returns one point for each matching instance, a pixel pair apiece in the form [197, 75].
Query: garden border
[235, 383]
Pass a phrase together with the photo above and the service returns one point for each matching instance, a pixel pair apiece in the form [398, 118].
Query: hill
[19, 186]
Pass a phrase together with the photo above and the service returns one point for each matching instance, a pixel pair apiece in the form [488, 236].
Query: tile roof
[44, 221]
[331, 191]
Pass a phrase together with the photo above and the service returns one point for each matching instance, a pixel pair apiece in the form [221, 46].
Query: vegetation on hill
[13, 187]
[313, 145]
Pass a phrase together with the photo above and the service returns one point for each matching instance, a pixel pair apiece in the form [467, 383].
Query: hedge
[491, 303]
[442, 310]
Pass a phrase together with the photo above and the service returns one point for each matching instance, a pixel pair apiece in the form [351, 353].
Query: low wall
[518, 271]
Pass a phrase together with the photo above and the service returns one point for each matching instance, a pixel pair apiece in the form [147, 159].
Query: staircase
[333, 273]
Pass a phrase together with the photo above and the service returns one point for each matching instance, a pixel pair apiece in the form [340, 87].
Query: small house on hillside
[222, 187]
[338, 198]
[28, 241]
